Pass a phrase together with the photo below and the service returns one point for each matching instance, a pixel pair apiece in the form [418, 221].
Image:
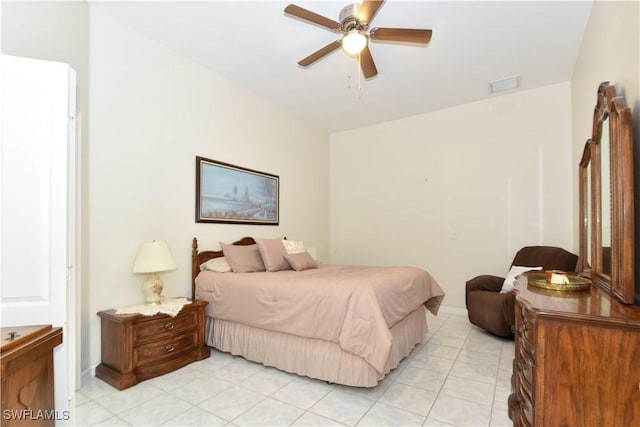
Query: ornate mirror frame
[610, 267]
[585, 214]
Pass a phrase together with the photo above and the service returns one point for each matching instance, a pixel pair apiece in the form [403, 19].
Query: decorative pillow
[510, 281]
[272, 252]
[243, 259]
[293, 246]
[219, 265]
[301, 261]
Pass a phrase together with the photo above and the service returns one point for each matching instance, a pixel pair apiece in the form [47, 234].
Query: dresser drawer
[164, 327]
[157, 350]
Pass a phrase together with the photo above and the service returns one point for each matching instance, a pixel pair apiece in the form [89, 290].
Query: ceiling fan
[354, 27]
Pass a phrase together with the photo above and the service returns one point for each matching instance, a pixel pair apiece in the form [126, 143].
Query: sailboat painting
[235, 195]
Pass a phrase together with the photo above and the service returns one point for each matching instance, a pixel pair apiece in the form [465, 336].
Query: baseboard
[86, 375]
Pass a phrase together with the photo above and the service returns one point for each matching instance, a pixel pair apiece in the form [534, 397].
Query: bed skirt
[311, 357]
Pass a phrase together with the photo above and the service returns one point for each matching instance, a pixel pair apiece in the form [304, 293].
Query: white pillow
[219, 265]
[293, 246]
[510, 281]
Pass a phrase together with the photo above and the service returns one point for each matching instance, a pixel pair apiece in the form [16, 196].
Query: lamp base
[152, 289]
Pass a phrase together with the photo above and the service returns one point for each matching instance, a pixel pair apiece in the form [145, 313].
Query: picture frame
[231, 194]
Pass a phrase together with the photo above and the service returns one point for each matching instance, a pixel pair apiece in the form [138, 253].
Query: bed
[348, 325]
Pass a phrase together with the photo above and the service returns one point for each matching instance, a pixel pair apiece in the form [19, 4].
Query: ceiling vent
[504, 85]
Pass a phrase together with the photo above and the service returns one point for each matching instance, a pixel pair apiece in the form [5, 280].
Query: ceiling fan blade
[368, 10]
[312, 17]
[319, 54]
[404, 35]
[366, 63]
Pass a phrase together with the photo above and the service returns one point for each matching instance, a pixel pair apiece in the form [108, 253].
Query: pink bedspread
[353, 306]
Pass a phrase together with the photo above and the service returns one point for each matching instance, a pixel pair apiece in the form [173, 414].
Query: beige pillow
[272, 252]
[219, 265]
[301, 261]
[243, 259]
[293, 246]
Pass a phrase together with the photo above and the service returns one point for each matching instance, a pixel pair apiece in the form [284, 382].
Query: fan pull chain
[358, 65]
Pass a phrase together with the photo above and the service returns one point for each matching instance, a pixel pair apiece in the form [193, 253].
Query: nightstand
[135, 347]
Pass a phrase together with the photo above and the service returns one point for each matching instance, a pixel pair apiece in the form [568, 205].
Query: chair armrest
[485, 282]
[488, 308]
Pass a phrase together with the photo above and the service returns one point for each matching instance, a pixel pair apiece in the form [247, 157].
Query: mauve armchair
[493, 311]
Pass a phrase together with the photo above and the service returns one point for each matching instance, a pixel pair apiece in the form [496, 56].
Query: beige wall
[457, 191]
[610, 51]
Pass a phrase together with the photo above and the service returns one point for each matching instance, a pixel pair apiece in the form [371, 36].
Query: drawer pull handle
[169, 348]
[169, 326]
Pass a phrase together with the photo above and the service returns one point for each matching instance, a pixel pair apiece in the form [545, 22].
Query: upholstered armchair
[493, 311]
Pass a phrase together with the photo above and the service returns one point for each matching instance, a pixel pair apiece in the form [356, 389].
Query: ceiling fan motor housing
[348, 20]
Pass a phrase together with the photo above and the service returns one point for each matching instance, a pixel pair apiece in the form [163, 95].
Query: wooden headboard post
[198, 258]
[195, 266]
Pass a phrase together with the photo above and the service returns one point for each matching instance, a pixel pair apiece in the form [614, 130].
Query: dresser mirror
[606, 198]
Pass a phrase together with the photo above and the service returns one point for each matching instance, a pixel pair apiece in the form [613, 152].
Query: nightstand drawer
[165, 327]
[156, 350]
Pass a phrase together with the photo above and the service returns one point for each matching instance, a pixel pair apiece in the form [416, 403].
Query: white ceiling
[255, 45]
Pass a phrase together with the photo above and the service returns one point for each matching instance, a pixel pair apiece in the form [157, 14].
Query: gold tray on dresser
[576, 283]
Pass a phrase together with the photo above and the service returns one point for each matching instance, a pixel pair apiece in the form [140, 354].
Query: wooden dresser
[136, 347]
[577, 359]
[26, 355]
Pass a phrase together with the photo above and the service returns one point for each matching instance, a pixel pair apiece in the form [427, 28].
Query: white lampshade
[353, 42]
[153, 257]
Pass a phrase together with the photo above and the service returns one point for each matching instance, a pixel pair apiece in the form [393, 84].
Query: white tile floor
[459, 376]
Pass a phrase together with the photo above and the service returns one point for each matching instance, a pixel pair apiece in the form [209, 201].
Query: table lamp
[153, 257]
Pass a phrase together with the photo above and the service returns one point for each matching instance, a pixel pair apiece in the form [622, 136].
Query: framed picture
[234, 195]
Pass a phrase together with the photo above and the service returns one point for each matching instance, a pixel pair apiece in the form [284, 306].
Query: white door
[37, 205]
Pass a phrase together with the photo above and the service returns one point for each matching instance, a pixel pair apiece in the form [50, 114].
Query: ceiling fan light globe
[353, 42]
